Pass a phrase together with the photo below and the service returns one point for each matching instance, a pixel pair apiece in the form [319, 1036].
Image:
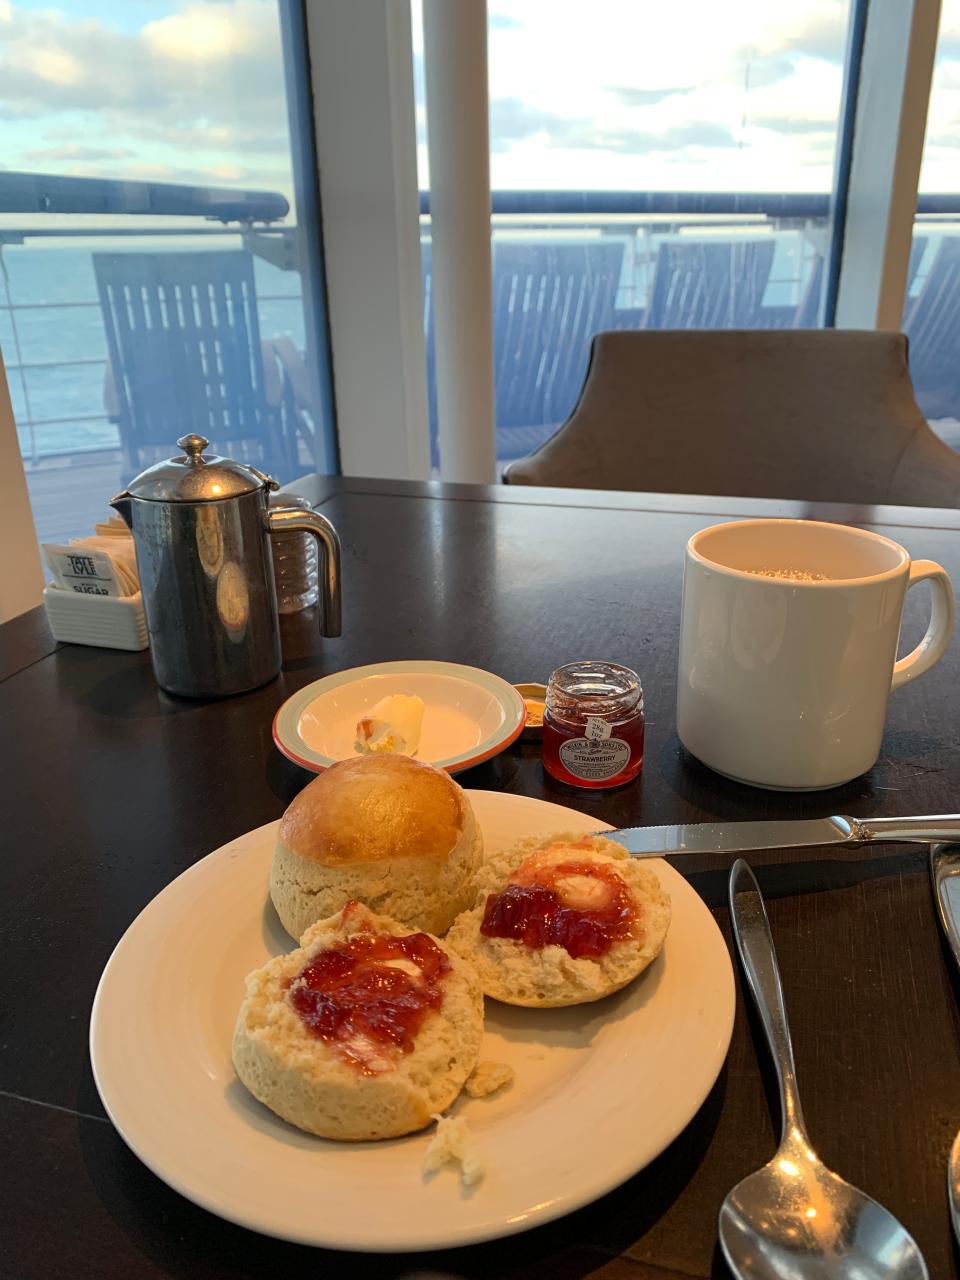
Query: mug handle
[931, 647]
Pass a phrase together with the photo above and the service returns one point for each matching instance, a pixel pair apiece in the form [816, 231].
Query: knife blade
[742, 837]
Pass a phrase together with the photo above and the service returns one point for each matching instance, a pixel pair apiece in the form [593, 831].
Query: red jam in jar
[593, 725]
[539, 907]
[371, 995]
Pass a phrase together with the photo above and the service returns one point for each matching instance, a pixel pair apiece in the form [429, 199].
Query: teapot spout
[122, 504]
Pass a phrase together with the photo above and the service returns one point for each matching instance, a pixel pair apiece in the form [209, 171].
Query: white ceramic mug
[788, 648]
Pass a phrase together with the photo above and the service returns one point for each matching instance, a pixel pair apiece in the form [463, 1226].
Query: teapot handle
[296, 520]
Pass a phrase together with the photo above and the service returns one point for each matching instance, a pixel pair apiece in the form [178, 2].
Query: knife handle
[944, 867]
[941, 826]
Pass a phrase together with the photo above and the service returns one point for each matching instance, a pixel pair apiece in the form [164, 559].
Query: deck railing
[799, 223]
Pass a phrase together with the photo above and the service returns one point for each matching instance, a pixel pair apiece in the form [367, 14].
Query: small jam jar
[593, 725]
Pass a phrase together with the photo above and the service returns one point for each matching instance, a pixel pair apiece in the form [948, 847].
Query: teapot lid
[191, 477]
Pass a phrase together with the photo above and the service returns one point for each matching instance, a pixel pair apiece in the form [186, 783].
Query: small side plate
[469, 714]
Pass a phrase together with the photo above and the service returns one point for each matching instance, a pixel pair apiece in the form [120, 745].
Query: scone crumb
[453, 1144]
[487, 1078]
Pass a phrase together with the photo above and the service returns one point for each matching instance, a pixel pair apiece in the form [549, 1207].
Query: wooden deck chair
[933, 328]
[809, 311]
[709, 285]
[183, 340]
[549, 299]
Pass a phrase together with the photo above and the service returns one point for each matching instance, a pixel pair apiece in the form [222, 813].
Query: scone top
[375, 808]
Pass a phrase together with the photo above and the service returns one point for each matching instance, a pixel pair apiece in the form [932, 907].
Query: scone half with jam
[366, 1031]
[560, 921]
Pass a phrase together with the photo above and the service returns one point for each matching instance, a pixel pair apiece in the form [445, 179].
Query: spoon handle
[751, 928]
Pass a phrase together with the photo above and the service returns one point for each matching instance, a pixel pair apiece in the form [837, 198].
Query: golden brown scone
[388, 831]
[351, 1087]
[549, 976]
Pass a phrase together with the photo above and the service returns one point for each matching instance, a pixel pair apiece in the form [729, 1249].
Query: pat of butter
[367, 1054]
[405, 966]
[392, 725]
[583, 893]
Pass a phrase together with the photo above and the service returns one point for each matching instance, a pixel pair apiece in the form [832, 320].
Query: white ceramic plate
[600, 1090]
[469, 715]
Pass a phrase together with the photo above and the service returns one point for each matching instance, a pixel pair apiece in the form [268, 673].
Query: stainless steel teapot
[201, 527]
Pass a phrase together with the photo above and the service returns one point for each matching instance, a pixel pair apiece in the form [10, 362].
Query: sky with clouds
[604, 94]
[145, 89]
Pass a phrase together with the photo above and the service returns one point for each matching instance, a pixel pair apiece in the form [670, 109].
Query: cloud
[698, 133]
[216, 138]
[207, 80]
[512, 121]
[760, 72]
[631, 97]
[948, 139]
[76, 154]
[201, 33]
[755, 73]
[730, 94]
[784, 123]
[207, 175]
[820, 35]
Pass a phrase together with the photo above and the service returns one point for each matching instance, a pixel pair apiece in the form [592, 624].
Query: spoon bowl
[794, 1219]
[953, 1186]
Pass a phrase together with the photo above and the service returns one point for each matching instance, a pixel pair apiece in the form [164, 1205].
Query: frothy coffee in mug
[792, 575]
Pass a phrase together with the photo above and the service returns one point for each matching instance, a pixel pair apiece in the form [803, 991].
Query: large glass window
[158, 246]
[653, 166]
[932, 304]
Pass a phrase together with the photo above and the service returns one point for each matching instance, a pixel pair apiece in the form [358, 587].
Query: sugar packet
[98, 566]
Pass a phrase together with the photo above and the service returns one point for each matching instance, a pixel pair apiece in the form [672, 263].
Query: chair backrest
[184, 345]
[549, 299]
[820, 415]
[709, 285]
[933, 327]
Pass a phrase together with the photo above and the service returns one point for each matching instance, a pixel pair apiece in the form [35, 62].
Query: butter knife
[742, 837]
[945, 874]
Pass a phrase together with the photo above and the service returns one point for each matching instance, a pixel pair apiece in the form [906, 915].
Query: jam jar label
[594, 759]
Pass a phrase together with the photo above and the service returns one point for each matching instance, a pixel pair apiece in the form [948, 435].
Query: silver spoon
[794, 1219]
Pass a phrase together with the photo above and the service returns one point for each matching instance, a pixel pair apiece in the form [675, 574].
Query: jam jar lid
[594, 688]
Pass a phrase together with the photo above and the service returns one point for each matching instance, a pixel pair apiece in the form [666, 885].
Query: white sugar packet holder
[106, 621]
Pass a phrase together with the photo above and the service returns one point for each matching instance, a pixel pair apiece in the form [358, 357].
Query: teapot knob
[193, 446]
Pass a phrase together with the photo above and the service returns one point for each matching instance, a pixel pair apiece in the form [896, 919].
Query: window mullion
[896, 70]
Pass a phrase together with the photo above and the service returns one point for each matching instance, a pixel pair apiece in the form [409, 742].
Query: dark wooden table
[109, 788]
